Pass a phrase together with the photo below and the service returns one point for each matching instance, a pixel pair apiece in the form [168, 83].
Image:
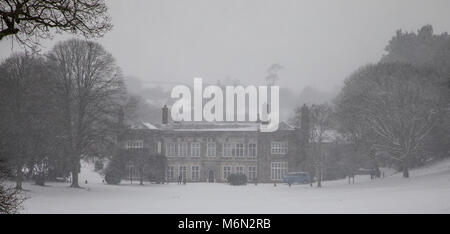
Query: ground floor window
[171, 172]
[195, 173]
[252, 173]
[240, 170]
[226, 172]
[182, 172]
[278, 170]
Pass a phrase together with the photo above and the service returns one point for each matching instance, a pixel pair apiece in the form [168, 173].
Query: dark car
[297, 178]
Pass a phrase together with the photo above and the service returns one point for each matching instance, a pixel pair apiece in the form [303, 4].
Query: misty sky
[319, 43]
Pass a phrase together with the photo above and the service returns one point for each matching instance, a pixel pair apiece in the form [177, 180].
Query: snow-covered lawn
[428, 190]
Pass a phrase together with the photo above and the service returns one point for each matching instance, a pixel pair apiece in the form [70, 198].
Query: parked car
[297, 178]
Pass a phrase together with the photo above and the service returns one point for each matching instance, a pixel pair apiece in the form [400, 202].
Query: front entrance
[211, 176]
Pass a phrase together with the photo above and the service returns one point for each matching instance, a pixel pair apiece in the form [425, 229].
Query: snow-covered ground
[427, 191]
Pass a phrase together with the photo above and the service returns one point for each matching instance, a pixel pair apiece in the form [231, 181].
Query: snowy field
[427, 191]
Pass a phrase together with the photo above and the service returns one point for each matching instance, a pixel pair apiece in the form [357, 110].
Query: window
[195, 173]
[171, 150]
[211, 148]
[135, 144]
[183, 172]
[252, 150]
[278, 170]
[195, 149]
[252, 174]
[159, 147]
[171, 172]
[182, 149]
[240, 170]
[227, 149]
[279, 147]
[239, 150]
[226, 172]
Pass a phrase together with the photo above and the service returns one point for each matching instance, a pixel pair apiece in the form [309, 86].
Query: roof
[331, 135]
[209, 126]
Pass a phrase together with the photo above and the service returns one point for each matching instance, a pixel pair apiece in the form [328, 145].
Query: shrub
[10, 200]
[40, 179]
[237, 179]
[113, 176]
[98, 165]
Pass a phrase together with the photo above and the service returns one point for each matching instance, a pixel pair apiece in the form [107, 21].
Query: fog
[318, 43]
[75, 139]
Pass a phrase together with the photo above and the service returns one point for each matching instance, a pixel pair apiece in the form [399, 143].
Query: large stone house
[210, 151]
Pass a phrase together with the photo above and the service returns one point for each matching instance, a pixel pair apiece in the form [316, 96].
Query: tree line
[59, 108]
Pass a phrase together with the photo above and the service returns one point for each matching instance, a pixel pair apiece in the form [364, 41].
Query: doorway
[211, 176]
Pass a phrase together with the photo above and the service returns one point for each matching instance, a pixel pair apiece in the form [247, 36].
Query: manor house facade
[211, 151]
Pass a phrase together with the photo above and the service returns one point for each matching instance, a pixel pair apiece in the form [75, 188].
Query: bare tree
[320, 116]
[31, 20]
[89, 87]
[272, 73]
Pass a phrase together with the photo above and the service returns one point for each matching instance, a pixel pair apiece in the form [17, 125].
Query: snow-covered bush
[237, 179]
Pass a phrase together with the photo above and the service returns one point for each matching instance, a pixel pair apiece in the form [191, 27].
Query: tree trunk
[405, 171]
[75, 183]
[19, 178]
[319, 178]
[75, 171]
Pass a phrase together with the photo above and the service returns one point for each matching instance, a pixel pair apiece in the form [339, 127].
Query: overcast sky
[317, 42]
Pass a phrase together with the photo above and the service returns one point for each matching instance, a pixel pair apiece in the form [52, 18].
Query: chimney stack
[165, 115]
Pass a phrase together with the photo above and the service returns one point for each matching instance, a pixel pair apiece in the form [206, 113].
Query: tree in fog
[355, 127]
[31, 20]
[424, 48]
[272, 73]
[89, 87]
[399, 103]
[320, 123]
[27, 121]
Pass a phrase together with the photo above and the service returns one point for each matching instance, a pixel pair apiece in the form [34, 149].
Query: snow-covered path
[427, 191]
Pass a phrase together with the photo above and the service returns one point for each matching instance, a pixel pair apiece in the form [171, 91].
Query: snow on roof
[329, 136]
[214, 126]
[149, 126]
